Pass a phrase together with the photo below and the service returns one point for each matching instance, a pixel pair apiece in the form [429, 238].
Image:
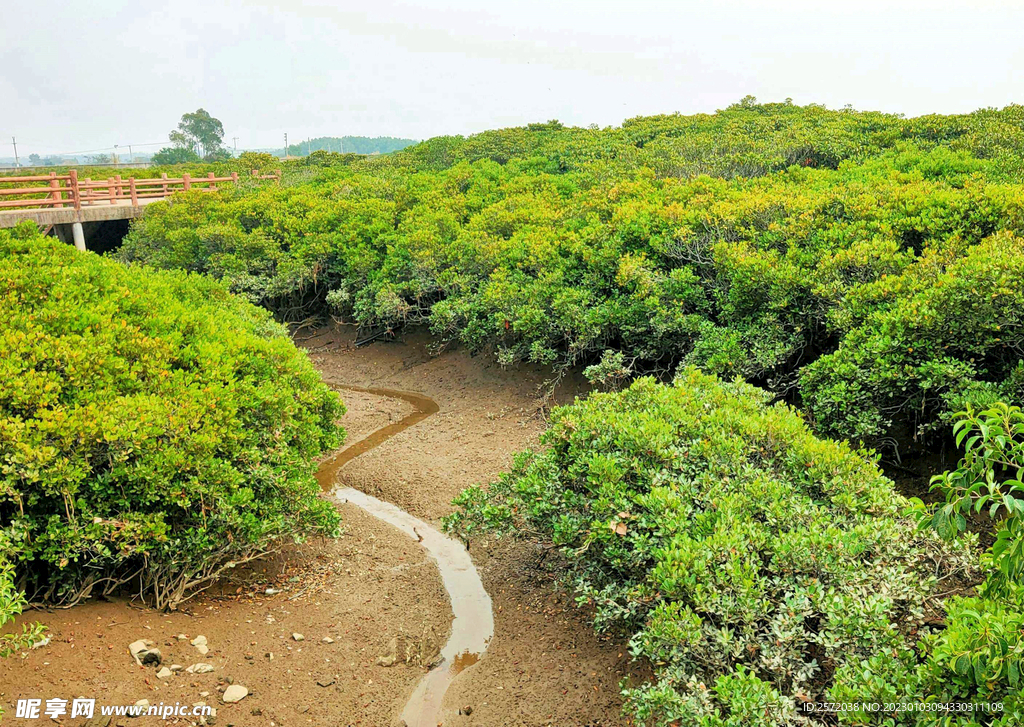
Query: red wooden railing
[59, 191]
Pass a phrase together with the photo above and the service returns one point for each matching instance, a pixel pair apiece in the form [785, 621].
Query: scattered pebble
[137, 647]
[145, 653]
[234, 693]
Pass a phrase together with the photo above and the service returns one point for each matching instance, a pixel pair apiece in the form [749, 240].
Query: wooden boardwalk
[67, 199]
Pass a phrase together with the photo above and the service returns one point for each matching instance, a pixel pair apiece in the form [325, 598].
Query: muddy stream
[473, 623]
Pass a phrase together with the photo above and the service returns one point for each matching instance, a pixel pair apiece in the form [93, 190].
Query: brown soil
[544, 665]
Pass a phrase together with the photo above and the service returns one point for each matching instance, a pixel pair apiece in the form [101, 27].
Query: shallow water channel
[473, 623]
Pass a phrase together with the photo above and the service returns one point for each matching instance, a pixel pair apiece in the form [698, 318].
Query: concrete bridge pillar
[78, 235]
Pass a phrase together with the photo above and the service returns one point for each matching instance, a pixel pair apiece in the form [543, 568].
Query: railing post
[278, 173]
[76, 195]
[134, 192]
[88, 190]
[164, 176]
[213, 186]
[55, 193]
[112, 190]
[186, 181]
[234, 177]
[120, 191]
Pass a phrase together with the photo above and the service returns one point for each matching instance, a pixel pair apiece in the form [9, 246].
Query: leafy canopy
[978, 658]
[747, 560]
[199, 133]
[833, 257]
[154, 428]
[175, 155]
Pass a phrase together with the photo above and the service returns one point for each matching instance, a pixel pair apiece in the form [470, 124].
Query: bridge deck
[119, 210]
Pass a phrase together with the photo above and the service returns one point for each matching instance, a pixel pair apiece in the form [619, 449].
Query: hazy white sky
[86, 75]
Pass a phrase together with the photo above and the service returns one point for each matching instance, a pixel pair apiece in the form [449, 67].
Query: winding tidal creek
[473, 623]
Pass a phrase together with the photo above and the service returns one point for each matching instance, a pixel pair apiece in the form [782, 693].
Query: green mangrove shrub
[976, 662]
[988, 479]
[948, 334]
[154, 428]
[12, 602]
[756, 241]
[746, 559]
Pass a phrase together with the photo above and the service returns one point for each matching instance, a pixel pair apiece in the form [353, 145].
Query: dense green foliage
[989, 477]
[11, 604]
[831, 256]
[330, 159]
[175, 155]
[867, 267]
[979, 657]
[154, 428]
[244, 164]
[350, 145]
[752, 563]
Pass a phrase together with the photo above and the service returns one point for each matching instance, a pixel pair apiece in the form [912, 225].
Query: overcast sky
[82, 76]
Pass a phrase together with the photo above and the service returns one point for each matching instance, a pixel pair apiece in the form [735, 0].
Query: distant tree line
[60, 160]
[350, 145]
[200, 137]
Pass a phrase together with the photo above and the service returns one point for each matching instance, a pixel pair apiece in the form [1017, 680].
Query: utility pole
[131, 159]
[286, 145]
[234, 140]
[307, 146]
[15, 142]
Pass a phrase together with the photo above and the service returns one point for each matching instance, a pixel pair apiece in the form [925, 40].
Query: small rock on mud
[234, 693]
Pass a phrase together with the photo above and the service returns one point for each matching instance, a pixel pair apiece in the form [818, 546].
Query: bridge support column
[78, 235]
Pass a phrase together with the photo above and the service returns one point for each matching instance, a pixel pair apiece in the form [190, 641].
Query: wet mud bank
[372, 604]
[545, 665]
[473, 622]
